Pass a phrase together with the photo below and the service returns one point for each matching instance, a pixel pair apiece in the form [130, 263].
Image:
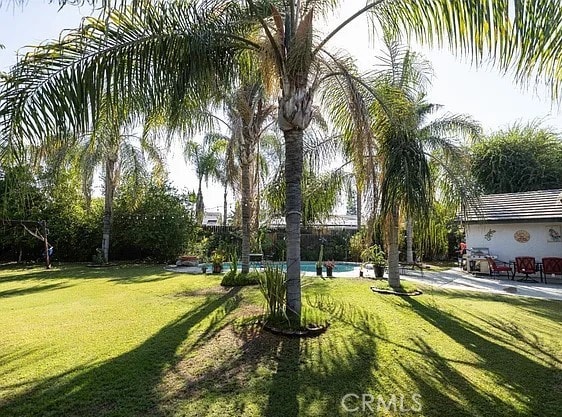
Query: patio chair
[525, 265]
[496, 269]
[551, 266]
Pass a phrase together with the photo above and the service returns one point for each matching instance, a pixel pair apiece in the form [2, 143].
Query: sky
[490, 98]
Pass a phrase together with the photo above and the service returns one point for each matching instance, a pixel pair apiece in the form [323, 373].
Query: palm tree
[447, 158]
[406, 143]
[249, 112]
[205, 157]
[226, 172]
[177, 54]
[389, 140]
[113, 144]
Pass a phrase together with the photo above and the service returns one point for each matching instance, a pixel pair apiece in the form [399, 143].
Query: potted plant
[217, 258]
[375, 255]
[330, 265]
[319, 263]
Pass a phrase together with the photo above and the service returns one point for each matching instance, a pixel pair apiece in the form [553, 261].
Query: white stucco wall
[503, 244]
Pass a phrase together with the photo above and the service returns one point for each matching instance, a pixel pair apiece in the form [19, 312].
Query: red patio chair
[496, 269]
[551, 266]
[525, 265]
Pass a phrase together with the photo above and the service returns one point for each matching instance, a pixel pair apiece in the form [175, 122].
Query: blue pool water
[307, 266]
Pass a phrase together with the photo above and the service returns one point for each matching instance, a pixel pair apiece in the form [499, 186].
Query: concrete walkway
[456, 279]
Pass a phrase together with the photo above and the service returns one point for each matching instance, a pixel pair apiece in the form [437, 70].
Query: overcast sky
[494, 100]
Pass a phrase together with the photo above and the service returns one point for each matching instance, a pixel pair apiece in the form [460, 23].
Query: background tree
[391, 141]
[520, 158]
[205, 157]
[446, 138]
[153, 224]
[249, 113]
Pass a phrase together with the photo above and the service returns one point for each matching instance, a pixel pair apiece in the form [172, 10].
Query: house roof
[334, 221]
[531, 206]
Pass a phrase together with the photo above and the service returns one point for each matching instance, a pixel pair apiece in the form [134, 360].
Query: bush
[156, 224]
[273, 286]
[235, 279]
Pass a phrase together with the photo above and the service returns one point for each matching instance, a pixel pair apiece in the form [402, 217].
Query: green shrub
[234, 279]
[155, 224]
[273, 286]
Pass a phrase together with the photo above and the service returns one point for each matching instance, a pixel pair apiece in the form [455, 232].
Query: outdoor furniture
[410, 266]
[551, 266]
[525, 265]
[496, 269]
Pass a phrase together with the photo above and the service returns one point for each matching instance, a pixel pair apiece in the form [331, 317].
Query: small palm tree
[206, 160]
[121, 153]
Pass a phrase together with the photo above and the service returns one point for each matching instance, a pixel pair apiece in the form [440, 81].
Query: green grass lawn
[141, 341]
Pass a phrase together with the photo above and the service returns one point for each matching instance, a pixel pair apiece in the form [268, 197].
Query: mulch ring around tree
[396, 292]
[312, 330]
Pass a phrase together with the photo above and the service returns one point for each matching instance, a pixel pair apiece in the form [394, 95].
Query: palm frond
[523, 36]
[158, 55]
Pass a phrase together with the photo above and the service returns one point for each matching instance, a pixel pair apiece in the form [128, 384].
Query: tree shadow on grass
[286, 381]
[33, 290]
[314, 374]
[550, 309]
[122, 274]
[516, 335]
[277, 376]
[531, 386]
[124, 385]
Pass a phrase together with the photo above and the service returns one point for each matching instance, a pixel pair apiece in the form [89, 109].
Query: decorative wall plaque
[522, 236]
[554, 234]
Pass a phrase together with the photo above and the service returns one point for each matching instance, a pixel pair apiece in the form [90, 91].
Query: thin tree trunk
[359, 205]
[110, 181]
[46, 245]
[293, 206]
[393, 262]
[256, 186]
[199, 207]
[225, 205]
[246, 215]
[409, 240]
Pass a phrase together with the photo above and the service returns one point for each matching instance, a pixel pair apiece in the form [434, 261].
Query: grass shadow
[33, 290]
[121, 273]
[124, 385]
[283, 398]
[273, 375]
[530, 384]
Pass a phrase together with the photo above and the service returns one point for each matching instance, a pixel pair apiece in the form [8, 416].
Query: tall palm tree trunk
[199, 207]
[256, 187]
[359, 206]
[393, 262]
[246, 216]
[225, 205]
[293, 206]
[110, 181]
[409, 240]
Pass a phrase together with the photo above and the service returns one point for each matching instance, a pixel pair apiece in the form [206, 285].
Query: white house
[516, 224]
[212, 218]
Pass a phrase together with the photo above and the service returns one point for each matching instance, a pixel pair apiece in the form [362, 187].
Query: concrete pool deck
[455, 279]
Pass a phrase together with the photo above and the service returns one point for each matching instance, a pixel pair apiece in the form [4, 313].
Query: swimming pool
[306, 266]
